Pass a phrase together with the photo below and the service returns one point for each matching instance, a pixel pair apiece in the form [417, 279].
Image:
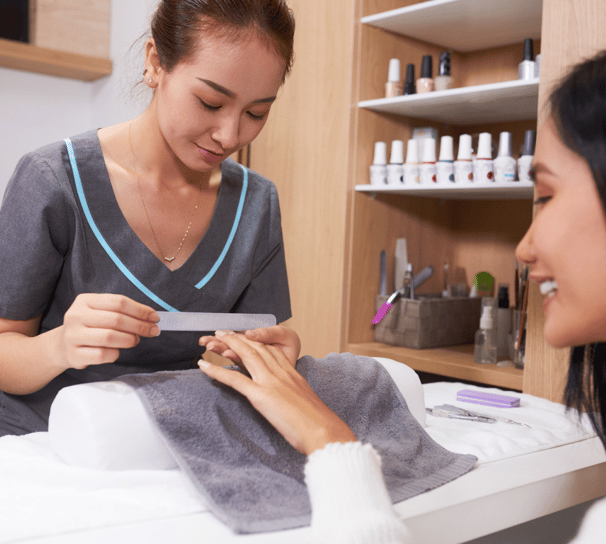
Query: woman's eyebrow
[231, 94]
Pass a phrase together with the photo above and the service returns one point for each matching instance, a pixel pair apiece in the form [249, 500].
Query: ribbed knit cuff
[350, 502]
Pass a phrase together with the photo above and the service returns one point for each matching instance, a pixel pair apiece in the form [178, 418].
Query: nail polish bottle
[505, 164]
[425, 83]
[409, 83]
[427, 170]
[526, 67]
[378, 169]
[395, 168]
[411, 167]
[525, 160]
[443, 80]
[484, 163]
[393, 87]
[463, 165]
[445, 165]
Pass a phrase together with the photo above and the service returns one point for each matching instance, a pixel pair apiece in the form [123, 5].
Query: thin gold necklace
[168, 259]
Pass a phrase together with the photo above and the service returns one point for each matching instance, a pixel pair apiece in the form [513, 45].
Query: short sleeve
[33, 223]
[268, 290]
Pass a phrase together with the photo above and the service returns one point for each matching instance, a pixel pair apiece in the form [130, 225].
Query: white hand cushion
[105, 426]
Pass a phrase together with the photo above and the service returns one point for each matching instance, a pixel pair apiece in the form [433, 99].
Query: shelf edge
[22, 56]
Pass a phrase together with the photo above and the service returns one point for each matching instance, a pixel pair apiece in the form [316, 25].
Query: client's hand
[278, 336]
[280, 394]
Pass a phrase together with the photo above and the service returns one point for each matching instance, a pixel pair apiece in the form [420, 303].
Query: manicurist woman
[103, 229]
[565, 249]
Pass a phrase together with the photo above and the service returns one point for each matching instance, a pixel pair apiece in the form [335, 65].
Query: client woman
[565, 248]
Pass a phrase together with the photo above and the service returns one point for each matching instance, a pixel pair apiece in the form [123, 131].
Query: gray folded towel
[250, 477]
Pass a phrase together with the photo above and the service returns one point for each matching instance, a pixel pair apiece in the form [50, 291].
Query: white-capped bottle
[427, 170]
[393, 87]
[411, 166]
[395, 168]
[464, 163]
[504, 164]
[484, 164]
[378, 169]
[445, 164]
[525, 160]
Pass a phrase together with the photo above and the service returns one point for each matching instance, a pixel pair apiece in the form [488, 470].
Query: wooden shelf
[464, 25]
[23, 56]
[454, 361]
[491, 103]
[515, 190]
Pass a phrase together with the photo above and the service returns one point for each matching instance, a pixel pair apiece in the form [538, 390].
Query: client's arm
[350, 503]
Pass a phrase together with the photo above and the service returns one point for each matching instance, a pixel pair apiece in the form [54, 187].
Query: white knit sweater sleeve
[350, 503]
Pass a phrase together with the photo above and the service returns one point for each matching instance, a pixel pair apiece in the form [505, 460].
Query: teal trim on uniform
[99, 236]
[234, 228]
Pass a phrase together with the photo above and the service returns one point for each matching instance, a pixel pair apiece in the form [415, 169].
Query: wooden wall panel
[303, 149]
[572, 30]
[75, 26]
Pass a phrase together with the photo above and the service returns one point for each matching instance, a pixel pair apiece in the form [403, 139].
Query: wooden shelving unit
[22, 56]
[441, 223]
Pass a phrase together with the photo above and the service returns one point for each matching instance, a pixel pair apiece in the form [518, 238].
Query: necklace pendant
[169, 259]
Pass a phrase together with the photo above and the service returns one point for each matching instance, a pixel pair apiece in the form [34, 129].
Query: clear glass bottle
[485, 349]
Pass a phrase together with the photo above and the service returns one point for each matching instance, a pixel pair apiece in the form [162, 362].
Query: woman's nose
[227, 132]
[525, 251]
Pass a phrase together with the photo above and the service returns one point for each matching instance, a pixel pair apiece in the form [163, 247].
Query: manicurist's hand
[278, 336]
[280, 394]
[97, 326]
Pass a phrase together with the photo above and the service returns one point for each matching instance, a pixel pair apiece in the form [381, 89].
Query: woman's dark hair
[578, 108]
[177, 26]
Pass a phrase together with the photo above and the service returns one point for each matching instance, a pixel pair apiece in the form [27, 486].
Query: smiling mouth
[548, 288]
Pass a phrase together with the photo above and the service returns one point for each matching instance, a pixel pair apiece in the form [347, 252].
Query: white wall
[36, 110]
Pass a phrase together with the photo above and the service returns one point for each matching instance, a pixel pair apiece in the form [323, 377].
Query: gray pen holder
[429, 321]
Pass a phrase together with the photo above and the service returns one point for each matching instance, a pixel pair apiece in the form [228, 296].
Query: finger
[267, 335]
[115, 321]
[248, 352]
[102, 338]
[118, 303]
[232, 378]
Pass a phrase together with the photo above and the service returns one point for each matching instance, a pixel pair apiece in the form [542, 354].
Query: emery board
[201, 321]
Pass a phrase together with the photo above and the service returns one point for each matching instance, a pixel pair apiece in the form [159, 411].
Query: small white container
[463, 166]
[395, 168]
[411, 167]
[445, 165]
[378, 169]
[427, 170]
[504, 164]
[484, 164]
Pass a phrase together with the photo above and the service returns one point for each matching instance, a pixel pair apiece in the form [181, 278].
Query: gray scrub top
[62, 234]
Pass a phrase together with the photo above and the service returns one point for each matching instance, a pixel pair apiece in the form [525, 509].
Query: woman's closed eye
[253, 116]
[542, 200]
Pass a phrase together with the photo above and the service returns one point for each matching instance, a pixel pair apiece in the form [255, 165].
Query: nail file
[383, 273]
[200, 321]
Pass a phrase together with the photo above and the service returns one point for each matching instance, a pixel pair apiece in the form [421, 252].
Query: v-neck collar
[125, 248]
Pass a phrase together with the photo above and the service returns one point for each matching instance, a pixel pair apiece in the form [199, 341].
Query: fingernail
[203, 364]
[154, 317]
[222, 333]
[155, 330]
[253, 334]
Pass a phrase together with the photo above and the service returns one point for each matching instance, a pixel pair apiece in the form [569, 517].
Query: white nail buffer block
[400, 262]
[200, 321]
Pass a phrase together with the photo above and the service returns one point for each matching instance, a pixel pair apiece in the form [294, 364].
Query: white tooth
[547, 286]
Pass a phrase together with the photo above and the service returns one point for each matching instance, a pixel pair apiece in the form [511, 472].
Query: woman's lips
[209, 156]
